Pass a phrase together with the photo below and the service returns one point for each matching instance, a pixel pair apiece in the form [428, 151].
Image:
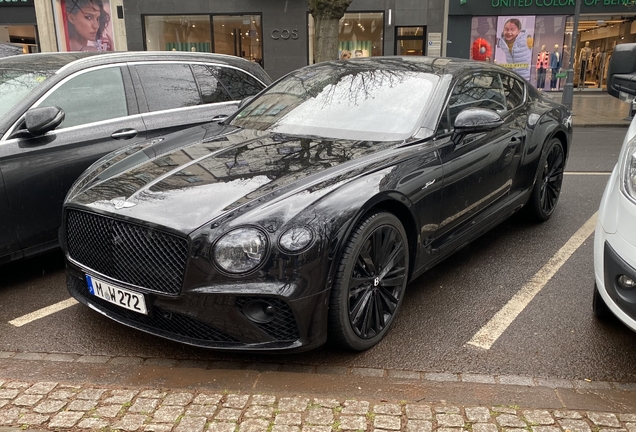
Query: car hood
[185, 186]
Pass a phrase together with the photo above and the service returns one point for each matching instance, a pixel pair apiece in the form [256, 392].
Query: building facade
[18, 25]
[534, 37]
[278, 33]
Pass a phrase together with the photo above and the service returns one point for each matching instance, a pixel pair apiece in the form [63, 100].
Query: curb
[362, 372]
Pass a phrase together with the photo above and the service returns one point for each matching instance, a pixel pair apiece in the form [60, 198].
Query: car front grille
[126, 252]
[283, 326]
[168, 324]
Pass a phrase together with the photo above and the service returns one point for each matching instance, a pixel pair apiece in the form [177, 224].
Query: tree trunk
[326, 39]
[326, 15]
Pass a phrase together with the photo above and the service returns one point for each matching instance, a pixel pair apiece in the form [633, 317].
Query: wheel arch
[392, 202]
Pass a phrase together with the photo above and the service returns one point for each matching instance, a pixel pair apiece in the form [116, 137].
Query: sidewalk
[41, 392]
[595, 109]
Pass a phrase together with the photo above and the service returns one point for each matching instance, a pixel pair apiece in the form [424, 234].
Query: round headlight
[241, 250]
[296, 239]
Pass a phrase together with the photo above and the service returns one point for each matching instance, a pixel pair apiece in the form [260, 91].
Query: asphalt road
[555, 336]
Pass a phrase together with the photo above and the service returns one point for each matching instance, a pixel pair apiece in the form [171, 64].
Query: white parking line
[41, 313]
[588, 173]
[498, 324]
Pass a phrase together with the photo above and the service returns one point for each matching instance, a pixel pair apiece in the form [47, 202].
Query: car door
[101, 115]
[180, 95]
[8, 238]
[478, 169]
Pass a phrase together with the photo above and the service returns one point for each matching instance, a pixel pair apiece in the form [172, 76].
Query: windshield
[15, 84]
[347, 101]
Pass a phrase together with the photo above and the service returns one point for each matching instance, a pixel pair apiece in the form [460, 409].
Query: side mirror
[245, 101]
[621, 72]
[474, 120]
[39, 121]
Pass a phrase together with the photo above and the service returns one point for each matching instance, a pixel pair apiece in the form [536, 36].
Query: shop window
[360, 34]
[168, 86]
[239, 35]
[410, 41]
[178, 33]
[84, 102]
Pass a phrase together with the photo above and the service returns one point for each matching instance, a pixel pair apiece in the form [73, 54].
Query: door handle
[124, 134]
[219, 118]
[514, 141]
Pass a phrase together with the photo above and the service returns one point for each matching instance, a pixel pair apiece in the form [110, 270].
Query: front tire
[370, 282]
[547, 188]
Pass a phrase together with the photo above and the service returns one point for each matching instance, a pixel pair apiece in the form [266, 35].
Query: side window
[168, 86]
[211, 90]
[239, 84]
[513, 90]
[90, 97]
[480, 90]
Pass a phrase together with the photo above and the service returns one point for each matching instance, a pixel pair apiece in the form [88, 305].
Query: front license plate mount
[122, 297]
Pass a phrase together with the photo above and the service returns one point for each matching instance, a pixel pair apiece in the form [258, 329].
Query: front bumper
[615, 252]
[217, 320]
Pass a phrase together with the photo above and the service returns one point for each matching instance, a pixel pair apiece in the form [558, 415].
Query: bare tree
[327, 14]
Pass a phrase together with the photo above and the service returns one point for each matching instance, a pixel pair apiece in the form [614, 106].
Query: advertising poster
[515, 42]
[483, 38]
[549, 52]
[88, 25]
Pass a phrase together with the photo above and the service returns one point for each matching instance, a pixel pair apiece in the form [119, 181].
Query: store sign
[556, 3]
[284, 34]
[16, 3]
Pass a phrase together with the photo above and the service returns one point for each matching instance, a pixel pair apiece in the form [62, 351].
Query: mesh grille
[283, 326]
[175, 325]
[130, 253]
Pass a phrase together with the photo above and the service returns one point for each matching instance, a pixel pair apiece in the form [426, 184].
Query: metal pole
[568, 89]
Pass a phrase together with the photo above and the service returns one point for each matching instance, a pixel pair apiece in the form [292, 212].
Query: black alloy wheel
[547, 188]
[370, 282]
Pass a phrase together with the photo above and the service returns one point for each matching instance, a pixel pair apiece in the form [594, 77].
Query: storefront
[533, 37]
[278, 34]
[18, 25]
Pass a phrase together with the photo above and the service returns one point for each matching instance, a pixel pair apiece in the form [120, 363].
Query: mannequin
[584, 57]
[543, 60]
[596, 64]
[565, 62]
[555, 64]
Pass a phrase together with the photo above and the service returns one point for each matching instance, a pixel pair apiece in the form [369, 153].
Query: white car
[615, 237]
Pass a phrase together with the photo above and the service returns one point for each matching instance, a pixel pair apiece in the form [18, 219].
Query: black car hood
[186, 186]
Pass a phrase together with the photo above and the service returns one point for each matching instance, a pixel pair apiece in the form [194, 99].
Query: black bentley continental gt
[304, 215]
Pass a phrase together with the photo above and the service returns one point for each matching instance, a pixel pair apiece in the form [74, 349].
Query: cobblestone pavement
[57, 406]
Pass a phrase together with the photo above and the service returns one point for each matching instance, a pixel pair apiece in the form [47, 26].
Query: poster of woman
[88, 25]
[514, 43]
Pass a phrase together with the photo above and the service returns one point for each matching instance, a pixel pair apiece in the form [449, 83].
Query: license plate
[120, 296]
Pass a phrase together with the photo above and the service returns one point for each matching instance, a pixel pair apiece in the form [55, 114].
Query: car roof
[72, 61]
[433, 65]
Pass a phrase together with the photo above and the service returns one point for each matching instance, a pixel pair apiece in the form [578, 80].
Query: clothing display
[555, 64]
[584, 57]
[543, 60]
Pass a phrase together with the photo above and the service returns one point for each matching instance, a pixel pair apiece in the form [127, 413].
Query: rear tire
[599, 307]
[370, 282]
[547, 188]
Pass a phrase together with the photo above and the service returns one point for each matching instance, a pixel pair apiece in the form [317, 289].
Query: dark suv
[60, 112]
